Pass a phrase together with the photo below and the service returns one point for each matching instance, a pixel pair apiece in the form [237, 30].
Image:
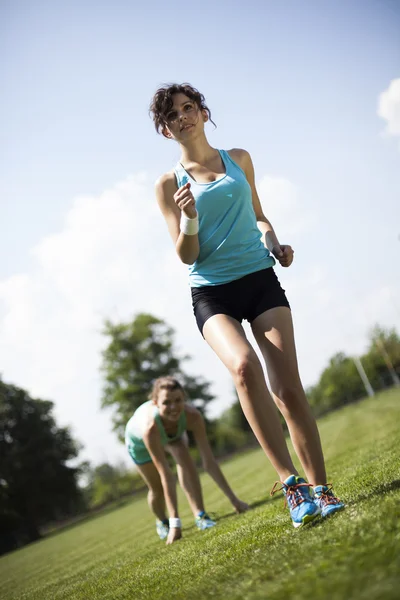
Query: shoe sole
[307, 519]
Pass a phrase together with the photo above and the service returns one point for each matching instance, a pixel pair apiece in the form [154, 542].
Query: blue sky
[299, 85]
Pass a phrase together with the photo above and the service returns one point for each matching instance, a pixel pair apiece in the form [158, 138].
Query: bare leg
[187, 474]
[155, 495]
[273, 331]
[227, 338]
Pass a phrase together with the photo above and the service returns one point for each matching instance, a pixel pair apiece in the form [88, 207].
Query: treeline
[40, 487]
[341, 382]
[37, 485]
[105, 484]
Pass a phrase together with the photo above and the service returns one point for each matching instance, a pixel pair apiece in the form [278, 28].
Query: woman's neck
[197, 151]
[169, 426]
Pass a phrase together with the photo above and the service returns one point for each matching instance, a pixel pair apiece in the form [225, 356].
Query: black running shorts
[244, 298]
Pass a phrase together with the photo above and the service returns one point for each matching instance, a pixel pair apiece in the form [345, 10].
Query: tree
[108, 483]
[339, 384]
[382, 361]
[234, 416]
[36, 484]
[231, 430]
[138, 352]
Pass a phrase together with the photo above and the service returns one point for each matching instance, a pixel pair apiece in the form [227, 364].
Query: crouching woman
[159, 426]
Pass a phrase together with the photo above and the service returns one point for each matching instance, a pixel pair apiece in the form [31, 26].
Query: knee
[245, 369]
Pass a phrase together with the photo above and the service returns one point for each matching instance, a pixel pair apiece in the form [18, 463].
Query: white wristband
[189, 226]
[175, 523]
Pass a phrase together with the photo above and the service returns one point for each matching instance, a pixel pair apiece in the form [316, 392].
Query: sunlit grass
[355, 554]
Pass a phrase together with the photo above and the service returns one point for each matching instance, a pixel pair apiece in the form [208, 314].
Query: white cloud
[389, 107]
[333, 317]
[282, 206]
[113, 258]
[106, 261]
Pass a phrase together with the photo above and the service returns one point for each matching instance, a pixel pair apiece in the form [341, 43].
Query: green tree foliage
[383, 344]
[340, 382]
[108, 483]
[36, 484]
[227, 438]
[234, 415]
[231, 431]
[138, 352]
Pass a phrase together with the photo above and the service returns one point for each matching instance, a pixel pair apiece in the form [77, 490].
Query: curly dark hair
[162, 102]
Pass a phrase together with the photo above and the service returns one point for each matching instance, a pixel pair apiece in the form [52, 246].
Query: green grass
[257, 555]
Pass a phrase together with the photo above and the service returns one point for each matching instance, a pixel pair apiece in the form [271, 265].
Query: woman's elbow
[188, 258]
[185, 260]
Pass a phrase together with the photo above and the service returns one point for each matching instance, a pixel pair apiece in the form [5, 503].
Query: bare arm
[243, 158]
[168, 196]
[152, 441]
[283, 253]
[197, 426]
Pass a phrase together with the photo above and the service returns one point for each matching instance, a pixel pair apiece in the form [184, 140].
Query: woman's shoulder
[166, 180]
[149, 418]
[193, 415]
[239, 155]
[165, 188]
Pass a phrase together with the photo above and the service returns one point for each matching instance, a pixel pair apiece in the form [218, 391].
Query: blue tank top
[230, 241]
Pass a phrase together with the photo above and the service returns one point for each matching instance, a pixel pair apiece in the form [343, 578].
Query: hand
[284, 254]
[240, 506]
[185, 201]
[174, 534]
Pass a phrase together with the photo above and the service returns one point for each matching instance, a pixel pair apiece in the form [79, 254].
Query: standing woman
[214, 216]
[159, 426]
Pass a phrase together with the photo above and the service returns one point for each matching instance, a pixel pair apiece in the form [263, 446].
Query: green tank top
[135, 429]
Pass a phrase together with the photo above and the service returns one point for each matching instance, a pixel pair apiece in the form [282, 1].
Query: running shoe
[203, 521]
[162, 528]
[301, 505]
[326, 500]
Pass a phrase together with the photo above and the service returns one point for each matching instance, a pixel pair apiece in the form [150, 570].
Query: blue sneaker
[203, 521]
[326, 500]
[302, 507]
[162, 528]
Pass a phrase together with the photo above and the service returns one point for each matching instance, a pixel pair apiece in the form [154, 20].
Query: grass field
[257, 555]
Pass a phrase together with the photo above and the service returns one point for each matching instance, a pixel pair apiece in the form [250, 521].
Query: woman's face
[170, 404]
[184, 119]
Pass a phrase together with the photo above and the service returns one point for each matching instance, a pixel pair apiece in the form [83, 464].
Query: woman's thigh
[179, 450]
[273, 331]
[151, 476]
[226, 336]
